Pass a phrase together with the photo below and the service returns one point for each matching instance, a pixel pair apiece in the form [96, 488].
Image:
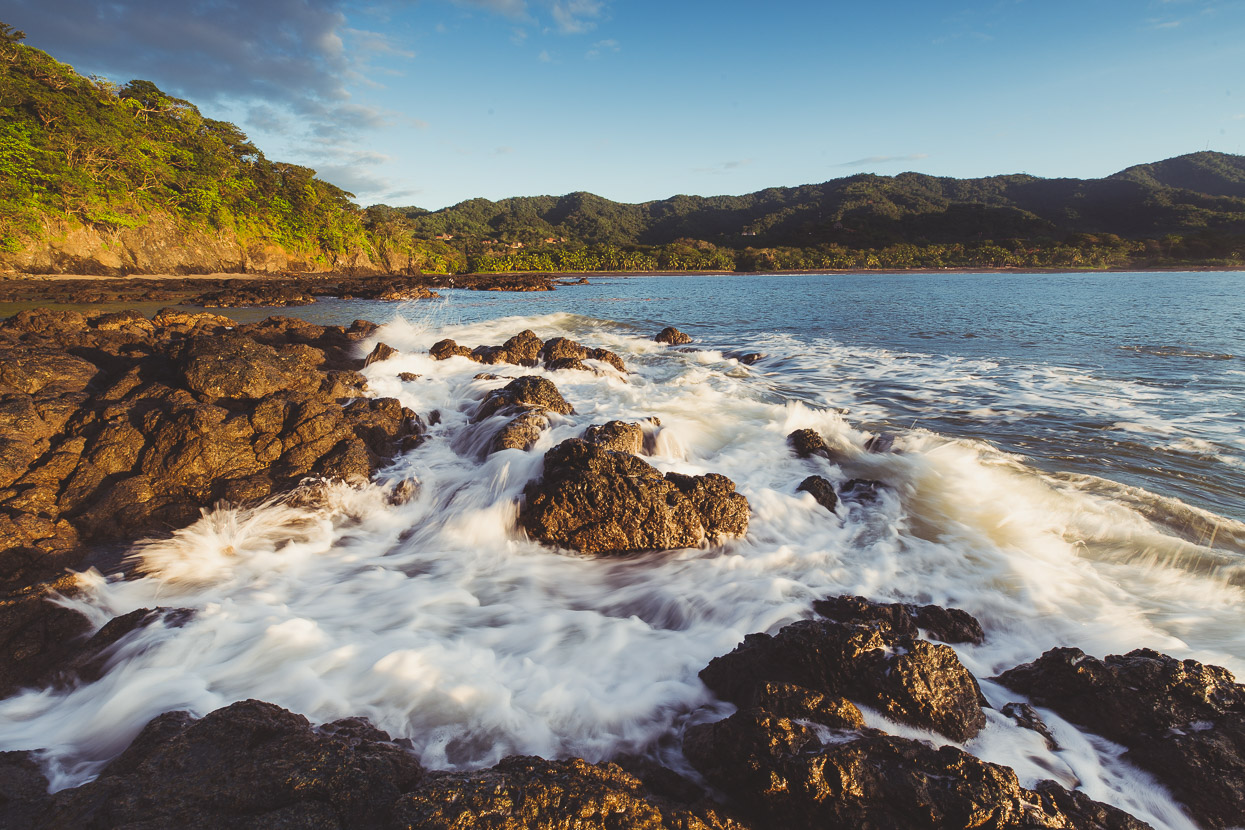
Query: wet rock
[254, 294]
[672, 336]
[568, 364]
[595, 500]
[880, 443]
[821, 490]
[24, 798]
[806, 443]
[532, 793]
[618, 436]
[115, 426]
[522, 350]
[560, 348]
[1180, 719]
[905, 678]
[606, 356]
[787, 700]
[1027, 716]
[527, 392]
[781, 772]
[445, 349]
[36, 634]
[249, 764]
[861, 491]
[522, 433]
[950, 625]
[746, 358]
[383, 351]
[408, 377]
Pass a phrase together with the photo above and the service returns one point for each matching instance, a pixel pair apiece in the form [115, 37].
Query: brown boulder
[821, 490]
[595, 500]
[527, 392]
[909, 680]
[618, 436]
[950, 625]
[672, 336]
[1180, 719]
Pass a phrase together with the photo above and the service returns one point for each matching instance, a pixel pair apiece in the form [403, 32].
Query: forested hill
[1190, 208]
[103, 178]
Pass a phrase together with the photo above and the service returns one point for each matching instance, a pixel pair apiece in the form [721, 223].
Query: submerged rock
[526, 349]
[522, 433]
[806, 443]
[596, 500]
[672, 336]
[821, 490]
[907, 679]
[950, 625]
[1180, 719]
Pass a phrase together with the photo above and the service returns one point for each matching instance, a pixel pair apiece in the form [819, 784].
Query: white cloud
[868, 160]
[601, 47]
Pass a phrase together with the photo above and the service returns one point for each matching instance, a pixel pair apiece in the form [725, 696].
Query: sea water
[1067, 467]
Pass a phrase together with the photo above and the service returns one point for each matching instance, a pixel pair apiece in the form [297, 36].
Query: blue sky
[436, 101]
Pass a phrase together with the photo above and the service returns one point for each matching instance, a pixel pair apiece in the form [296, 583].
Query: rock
[606, 356]
[746, 358]
[527, 392]
[115, 426]
[806, 443]
[567, 364]
[560, 348]
[1027, 716]
[250, 764]
[445, 349]
[383, 351]
[408, 377]
[24, 797]
[672, 336]
[907, 679]
[596, 500]
[535, 794]
[618, 436]
[522, 433]
[523, 350]
[880, 443]
[821, 490]
[861, 491]
[781, 773]
[1181, 720]
[950, 625]
[787, 700]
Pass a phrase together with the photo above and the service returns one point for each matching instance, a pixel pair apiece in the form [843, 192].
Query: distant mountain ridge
[1194, 193]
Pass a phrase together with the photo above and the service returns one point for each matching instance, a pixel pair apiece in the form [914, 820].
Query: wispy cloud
[869, 160]
[543, 57]
[724, 167]
[601, 47]
[575, 17]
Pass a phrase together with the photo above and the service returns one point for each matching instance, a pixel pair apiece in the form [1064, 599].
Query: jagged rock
[595, 500]
[527, 392]
[907, 679]
[535, 794]
[522, 433]
[950, 625]
[408, 377]
[563, 364]
[787, 700]
[445, 349]
[114, 426]
[383, 351]
[560, 348]
[821, 490]
[1180, 719]
[806, 443]
[672, 336]
[618, 436]
[523, 350]
[1027, 716]
[779, 772]
[250, 764]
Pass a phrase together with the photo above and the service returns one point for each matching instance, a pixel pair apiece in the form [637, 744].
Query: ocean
[1068, 466]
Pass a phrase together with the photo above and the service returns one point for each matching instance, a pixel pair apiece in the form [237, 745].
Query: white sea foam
[439, 621]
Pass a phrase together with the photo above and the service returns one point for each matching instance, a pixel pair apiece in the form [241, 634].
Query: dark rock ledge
[116, 426]
[797, 755]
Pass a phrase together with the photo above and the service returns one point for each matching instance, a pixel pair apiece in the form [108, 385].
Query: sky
[432, 102]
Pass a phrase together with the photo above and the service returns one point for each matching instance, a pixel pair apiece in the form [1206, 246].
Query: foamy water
[439, 621]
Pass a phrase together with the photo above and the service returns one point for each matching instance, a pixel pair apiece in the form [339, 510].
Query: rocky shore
[235, 290]
[115, 426]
